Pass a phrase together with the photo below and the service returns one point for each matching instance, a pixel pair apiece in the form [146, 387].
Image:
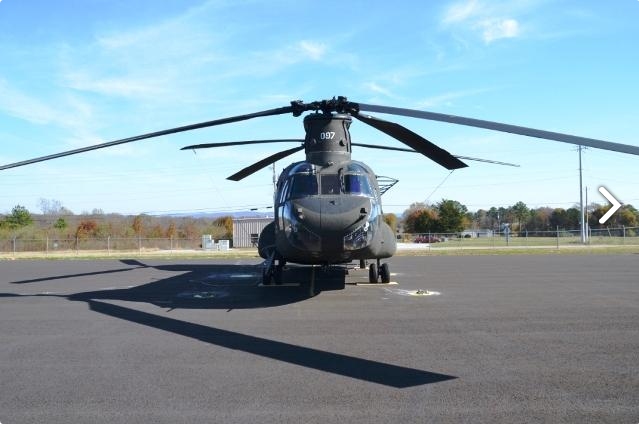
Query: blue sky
[75, 73]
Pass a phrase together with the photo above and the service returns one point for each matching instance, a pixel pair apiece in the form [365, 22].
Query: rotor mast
[327, 140]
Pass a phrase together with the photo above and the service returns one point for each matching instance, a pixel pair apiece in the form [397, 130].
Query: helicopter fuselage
[329, 214]
[327, 208]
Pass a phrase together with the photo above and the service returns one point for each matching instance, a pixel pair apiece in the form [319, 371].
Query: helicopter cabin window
[303, 185]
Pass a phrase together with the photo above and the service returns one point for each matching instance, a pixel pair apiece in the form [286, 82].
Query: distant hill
[215, 215]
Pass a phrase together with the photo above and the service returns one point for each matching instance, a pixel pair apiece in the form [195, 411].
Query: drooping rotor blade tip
[264, 113]
[240, 143]
[263, 164]
[507, 128]
[414, 141]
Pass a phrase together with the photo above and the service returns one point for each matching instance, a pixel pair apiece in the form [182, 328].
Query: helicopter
[327, 208]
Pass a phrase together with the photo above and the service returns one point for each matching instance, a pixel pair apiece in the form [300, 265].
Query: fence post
[171, 243]
[139, 243]
[77, 245]
[47, 246]
[624, 235]
[557, 236]
[14, 246]
[109, 245]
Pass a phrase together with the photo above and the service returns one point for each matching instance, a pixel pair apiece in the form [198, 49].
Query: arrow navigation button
[615, 205]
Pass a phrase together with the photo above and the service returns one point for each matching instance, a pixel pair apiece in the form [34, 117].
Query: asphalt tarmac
[457, 339]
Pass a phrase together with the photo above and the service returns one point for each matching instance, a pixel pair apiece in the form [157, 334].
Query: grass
[127, 254]
[540, 250]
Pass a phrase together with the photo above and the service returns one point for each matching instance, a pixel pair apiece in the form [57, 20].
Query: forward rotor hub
[338, 104]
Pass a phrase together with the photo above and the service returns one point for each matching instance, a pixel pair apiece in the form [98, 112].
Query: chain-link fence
[107, 244]
[468, 239]
[492, 239]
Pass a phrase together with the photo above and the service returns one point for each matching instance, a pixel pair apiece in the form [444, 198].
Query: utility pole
[587, 224]
[274, 181]
[581, 202]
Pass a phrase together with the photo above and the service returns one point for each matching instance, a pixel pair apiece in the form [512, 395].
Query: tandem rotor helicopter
[328, 207]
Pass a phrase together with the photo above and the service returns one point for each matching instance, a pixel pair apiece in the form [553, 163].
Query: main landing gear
[377, 272]
[272, 273]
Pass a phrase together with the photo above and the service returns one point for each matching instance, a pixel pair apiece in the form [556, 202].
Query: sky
[80, 72]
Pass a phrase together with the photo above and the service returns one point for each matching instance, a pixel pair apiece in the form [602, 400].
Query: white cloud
[489, 21]
[110, 86]
[460, 12]
[69, 113]
[312, 49]
[446, 99]
[22, 106]
[376, 88]
[494, 29]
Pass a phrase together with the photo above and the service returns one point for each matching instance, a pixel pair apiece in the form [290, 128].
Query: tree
[521, 212]
[422, 220]
[60, 224]
[452, 216]
[227, 223]
[573, 218]
[171, 231]
[19, 217]
[482, 219]
[558, 218]
[87, 228]
[50, 207]
[540, 219]
[391, 220]
[627, 218]
[138, 224]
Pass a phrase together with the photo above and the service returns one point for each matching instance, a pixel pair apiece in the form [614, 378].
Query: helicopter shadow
[236, 287]
[229, 287]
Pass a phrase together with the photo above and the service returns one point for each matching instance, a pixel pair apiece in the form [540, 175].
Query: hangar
[246, 231]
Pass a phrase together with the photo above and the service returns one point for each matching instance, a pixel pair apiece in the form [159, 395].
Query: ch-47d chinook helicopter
[328, 207]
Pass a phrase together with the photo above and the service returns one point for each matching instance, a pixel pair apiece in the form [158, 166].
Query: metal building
[246, 231]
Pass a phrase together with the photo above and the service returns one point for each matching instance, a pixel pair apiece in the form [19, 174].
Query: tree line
[450, 216]
[446, 216]
[56, 221]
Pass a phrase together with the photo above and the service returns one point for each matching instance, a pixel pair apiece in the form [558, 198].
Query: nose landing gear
[377, 272]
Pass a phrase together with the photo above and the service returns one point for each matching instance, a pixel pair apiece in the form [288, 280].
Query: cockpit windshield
[357, 184]
[303, 185]
[356, 180]
[303, 181]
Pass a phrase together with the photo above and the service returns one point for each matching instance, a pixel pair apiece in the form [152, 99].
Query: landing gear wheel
[272, 278]
[372, 274]
[266, 277]
[362, 264]
[384, 273]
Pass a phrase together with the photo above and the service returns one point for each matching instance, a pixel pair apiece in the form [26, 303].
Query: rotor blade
[263, 164]
[414, 141]
[496, 162]
[239, 143]
[497, 126]
[401, 149]
[278, 111]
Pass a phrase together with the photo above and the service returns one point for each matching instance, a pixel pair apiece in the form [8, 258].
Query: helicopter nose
[340, 214]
